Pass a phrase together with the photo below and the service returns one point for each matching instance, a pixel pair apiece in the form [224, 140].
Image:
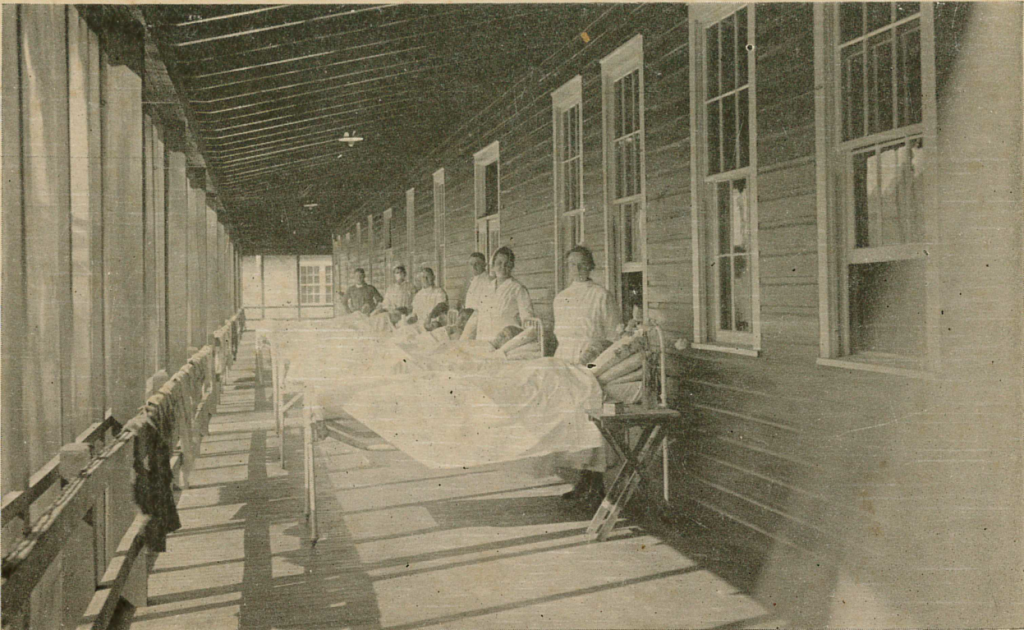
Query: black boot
[582, 487]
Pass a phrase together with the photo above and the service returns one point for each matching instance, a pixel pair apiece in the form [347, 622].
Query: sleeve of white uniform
[525, 305]
[469, 332]
[609, 316]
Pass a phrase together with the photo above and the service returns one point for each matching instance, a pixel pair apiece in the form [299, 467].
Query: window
[877, 131]
[567, 128]
[315, 282]
[387, 228]
[410, 229]
[625, 185]
[439, 226]
[487, 198]
[724, 187]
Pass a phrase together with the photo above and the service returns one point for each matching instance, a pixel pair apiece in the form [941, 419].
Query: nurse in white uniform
[584, 313]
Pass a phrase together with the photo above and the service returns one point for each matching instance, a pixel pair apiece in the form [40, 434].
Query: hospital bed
[299, 373]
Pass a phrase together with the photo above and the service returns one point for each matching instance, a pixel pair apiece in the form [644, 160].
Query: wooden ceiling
[271, 89]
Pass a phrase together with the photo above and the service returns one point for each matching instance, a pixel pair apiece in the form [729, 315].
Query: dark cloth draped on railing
[153, 475]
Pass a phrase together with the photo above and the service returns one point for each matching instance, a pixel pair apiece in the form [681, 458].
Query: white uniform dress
[504, 304]
[425, 301]
[398, 295]
[584, 312]
[477, 291]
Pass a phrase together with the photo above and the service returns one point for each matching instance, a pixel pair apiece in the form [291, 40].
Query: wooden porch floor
[405, 547]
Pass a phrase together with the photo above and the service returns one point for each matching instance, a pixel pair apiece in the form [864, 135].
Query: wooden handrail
[26, 564]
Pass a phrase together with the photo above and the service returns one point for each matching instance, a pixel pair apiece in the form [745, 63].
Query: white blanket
[505, 412]
[446, 404]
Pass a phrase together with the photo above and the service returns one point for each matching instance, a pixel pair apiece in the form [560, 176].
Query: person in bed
[586, 319]
[427, 300]
[585, 313]
[362, 297]
[505, 302]
[398, 297]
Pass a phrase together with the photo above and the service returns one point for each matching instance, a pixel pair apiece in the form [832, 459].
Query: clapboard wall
[799, 466]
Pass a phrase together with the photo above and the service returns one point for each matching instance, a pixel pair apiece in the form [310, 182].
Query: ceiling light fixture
[350, 139]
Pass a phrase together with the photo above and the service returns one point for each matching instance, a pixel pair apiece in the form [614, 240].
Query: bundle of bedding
[620, 368]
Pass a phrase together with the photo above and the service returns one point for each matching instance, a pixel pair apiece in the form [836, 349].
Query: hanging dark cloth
[153, 475]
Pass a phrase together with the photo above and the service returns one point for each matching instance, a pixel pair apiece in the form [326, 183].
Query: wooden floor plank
[405, 547]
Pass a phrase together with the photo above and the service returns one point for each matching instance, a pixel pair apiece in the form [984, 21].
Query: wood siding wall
[785, 459]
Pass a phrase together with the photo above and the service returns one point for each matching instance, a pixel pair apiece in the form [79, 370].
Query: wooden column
[12, 326]
[160, 225]
[213, 320]
[86, 224]
[123, 234]
[149, 247]
[177, 261]
[197, 262]
[44, 125]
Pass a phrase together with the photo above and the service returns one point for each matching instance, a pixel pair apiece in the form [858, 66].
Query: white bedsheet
[446, 404]
[450, 419]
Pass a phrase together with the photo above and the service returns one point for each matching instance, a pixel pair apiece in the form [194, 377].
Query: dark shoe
[582, 487]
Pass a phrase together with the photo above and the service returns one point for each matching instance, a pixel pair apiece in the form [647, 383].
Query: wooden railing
[94, 523]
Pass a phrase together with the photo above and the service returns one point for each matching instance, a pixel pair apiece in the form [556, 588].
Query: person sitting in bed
[585, 314]
[586, 319]
[362, 297]
[427, 299]
[399, 295]
[506, 302]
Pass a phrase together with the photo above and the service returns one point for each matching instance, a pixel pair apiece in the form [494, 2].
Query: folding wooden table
[652, 423]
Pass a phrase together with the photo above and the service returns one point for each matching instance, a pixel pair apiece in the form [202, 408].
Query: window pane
[851, 20]
[853, 93]
[637, 247]
[636, 165]
[712, 61]
[887, 305]
[907, 9]
[728, 34]
[714, 156]
[724, 293]
[860, 197]
[617, 109]
[741, 47]
[627, 232]
[909, 77]
[880, 97]
[743, 296]
[636, 101]
[729, 132]
[619, 167]
[724, 218]
[743, 131]
[491, 189]
[740, 217]
[879, 14]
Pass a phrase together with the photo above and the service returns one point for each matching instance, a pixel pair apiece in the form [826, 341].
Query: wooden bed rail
[93, 522]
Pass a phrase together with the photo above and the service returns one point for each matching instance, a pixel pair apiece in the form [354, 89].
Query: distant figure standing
[360, 296]
[476, 288]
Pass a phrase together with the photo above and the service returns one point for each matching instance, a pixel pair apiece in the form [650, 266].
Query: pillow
[507, 334]
[593, 350]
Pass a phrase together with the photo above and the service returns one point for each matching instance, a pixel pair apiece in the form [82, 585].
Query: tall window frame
[567, 139]
[410, 230]
[487, 198]
[624, 171]
[723, 153]
[388, 244]
[440, 234]
[856, 242]
[371, 249]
